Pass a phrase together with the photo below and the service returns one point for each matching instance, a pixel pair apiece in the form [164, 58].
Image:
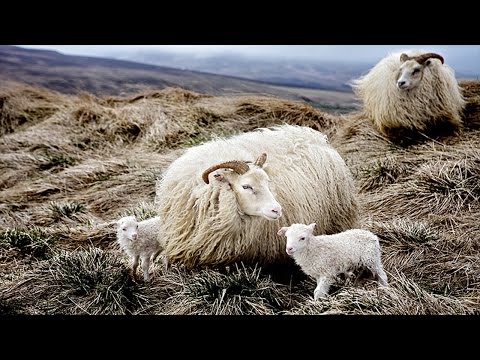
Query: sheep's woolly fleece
[201, 225]
[437, 101]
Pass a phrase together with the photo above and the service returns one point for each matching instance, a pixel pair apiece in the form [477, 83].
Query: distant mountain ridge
[331, 75]
[325, 75]
[71, 74]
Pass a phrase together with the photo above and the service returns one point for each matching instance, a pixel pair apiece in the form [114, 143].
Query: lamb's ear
[428, 62]
[311, 227]
[403, 57]
[282, 231]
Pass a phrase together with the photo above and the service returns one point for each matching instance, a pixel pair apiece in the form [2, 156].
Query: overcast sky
[460, 55]
[361, 52]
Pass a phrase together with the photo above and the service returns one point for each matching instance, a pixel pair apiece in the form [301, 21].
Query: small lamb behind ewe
[326, 257]
[139, 241]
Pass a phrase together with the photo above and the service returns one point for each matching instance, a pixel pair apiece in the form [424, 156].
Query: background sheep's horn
[240, 167]
[424, 57]
[261, 160]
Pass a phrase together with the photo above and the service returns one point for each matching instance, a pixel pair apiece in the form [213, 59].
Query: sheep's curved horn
[424, 57]
[261, 160]
[421, 58]
[240, 167]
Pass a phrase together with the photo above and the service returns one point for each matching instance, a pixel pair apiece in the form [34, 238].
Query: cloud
[463, 57]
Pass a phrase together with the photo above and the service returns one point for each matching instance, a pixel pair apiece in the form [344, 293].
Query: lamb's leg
[135, 266]
[381, 276]
[323, 285]
[155, 255]
[165, 262]
[146, 267]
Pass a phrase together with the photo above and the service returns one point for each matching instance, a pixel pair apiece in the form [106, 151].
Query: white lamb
[326, 257]
[140, 241]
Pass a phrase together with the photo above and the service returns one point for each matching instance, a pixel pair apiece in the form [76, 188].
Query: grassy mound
[71, 165]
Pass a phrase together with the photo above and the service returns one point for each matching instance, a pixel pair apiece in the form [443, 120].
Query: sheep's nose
[400, 84]
[277, 210]
[289, 250]
[134, 236]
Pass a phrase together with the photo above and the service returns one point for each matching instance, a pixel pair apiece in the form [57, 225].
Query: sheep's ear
[218, 177]
[403, 57]
[282, 231]
[260, 161]
[311, 227]
[226, 176]
[428, 62]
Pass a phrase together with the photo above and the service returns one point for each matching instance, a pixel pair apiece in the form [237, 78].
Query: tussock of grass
[471, 114]
[405, 232]
[437, 187]
[172, 94]
[418, 249]
[74, 164]
[82, 282]
[381, 172]
[101, 234]
[66, 209]
[402, 297]
[242, 291]
[24, 104]
[144, 210]
[55, 161]
[291, 112]
[33, 241]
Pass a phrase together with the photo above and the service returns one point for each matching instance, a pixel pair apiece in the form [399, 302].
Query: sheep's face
[127, 228]
[297, 236]
[409, 75]
[253, 193]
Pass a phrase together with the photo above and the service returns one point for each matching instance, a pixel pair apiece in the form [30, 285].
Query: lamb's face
[127, 228]
[409, 75]
[254, 196]
[297, 236]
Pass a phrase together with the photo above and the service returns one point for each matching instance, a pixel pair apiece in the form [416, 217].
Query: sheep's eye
[302, 238]
[246, 187]
[124, 229]
[415, 71]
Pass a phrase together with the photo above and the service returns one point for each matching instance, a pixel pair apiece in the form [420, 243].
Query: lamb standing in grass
[325, 257]
[139, 241]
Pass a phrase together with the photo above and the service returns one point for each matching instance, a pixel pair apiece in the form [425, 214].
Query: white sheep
[327, 257]
[222, 201]
[139, 240]
[413, 91]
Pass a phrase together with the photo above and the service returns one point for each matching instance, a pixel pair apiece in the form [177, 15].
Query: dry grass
[71, 165]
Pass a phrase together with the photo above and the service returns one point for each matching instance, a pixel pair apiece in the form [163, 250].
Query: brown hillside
[70, 164]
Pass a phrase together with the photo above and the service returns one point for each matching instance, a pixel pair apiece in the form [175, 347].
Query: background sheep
[139, 241]
[326, 257]
[409, 91]
[212, 214]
